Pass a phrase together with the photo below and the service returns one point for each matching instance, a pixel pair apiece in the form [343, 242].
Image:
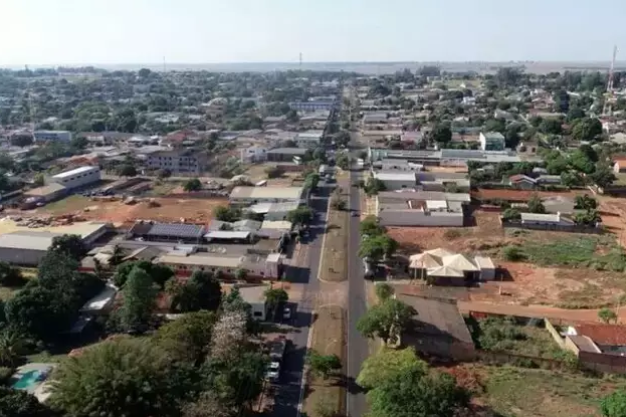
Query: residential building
[309, 106]
[77, 177]
[246, 196]
[309, 139]
[397, 165]
[619, 164]
[396, 180]
[445, 157]
[255, 297]
[52, 136]
[178, 161]
[534, 219]
[491, 141]
[443, 267]
[375, 118]
[285, 154]
[523, 182]
[254, 153]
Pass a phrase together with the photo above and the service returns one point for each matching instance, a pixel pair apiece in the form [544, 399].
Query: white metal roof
[484, 262]
[227, 234]
[395, 176]
[436, 204]
[79, 170]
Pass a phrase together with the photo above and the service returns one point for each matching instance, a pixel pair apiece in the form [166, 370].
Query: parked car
[286, 313]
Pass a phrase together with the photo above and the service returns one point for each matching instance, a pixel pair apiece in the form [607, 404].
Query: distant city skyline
[112, 32]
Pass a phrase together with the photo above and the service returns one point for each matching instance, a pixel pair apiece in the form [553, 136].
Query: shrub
[5, 374]
[514, 254]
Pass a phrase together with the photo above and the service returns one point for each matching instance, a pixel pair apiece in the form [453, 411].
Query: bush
[514, 254]
[5, 374]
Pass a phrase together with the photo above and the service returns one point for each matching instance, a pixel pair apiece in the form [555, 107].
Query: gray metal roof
[176, 230]
[26, 239]
[288, 151]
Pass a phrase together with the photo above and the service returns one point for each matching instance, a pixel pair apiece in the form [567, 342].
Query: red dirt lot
[168, 210]
[613, 213]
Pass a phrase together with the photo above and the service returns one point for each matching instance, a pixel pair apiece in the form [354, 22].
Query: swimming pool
[30, 379]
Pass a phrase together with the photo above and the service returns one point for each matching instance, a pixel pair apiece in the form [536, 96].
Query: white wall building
[52, 135]
[77, 177]
[309, 139]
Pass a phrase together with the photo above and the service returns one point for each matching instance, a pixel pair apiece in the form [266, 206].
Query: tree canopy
[386, 320]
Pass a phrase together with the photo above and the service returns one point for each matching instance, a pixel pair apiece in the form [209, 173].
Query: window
[257, 314]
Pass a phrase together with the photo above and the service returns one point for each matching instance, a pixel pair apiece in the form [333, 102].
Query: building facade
[491, 141]
[178, 161]
[52, 136]
[77, 177]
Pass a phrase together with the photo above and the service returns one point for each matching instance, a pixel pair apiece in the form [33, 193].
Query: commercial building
[178, 161]
[309, 139]
[46, 193]
[424, 181]
[308, 106]
[421, 208]
[77, 177]
[491, 141]
[445, 157]
[27, 247]
[246, 196]
[52, 136]
[167, 232]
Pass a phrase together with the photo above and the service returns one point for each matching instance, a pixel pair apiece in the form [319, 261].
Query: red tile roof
[603, 334]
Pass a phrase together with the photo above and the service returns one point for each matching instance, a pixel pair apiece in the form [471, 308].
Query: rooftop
[288, 151]
[45, 190]
[79, 170]
[176, 230]
[30, 240]
[252, 193]
[254, 294]
[197, 259]
[83, 229]
[603, 334]
[395, 176]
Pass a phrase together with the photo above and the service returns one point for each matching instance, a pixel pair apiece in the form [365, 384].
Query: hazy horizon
[203, 32]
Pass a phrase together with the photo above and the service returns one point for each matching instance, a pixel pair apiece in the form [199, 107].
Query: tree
[209, 404]
[241, 274]
[343, 161]
[193, 184]
[70, 245]
[574, 114]
[557, 165]
[512, 136]
[386, 320]
[10, 276]
[122, 377]
[412, 392]
[301, 215]
[572, 179]
[21, 141]
[144, 73]
[323, 365]
[514, 254]
[441, 134]
[337, 202]
[11, 347]
[39, 180]
[374, 248]
[139, 301]
[511, 214]
[495, 125]
[585, 202]
[370, 226]
[311, 181]
[14, 403]
[582, 161]
[275, 297]
[239, 379]
[614, 405]
[274, 172]
[551, 127]
[373, 186]
[385, 364]
[341, 138]
[535, 205]
[201, 292]
[127, 171]
[164, 173]
[384, 291]
[603, 176]
[587, 129]
[187, 338]
[227, 214]
[607, 315]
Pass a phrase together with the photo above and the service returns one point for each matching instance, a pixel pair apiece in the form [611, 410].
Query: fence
[554, 227]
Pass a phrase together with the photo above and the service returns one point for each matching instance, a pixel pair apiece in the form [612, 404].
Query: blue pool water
[28, 379]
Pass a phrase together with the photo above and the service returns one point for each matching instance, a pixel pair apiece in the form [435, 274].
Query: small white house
[255, 296]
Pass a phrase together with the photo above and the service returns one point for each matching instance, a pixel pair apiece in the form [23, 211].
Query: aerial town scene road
[240, 209]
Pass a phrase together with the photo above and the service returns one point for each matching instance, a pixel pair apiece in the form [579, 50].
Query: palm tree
[11, 347]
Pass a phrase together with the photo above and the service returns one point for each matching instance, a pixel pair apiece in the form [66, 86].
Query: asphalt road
[287, 392]
[357, 347]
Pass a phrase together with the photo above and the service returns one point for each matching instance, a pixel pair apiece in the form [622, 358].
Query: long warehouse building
[77, 177]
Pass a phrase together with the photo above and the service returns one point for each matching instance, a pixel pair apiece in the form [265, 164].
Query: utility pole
[300, 61]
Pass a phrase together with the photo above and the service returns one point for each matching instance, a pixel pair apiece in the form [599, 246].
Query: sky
[56, 32]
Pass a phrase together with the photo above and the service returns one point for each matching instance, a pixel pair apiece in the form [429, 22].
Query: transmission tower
[609, 99]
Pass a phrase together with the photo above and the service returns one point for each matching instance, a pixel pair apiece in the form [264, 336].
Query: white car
[287, 313]
[273, 372]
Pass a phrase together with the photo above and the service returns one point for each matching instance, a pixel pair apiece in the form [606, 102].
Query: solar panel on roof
[176, 230]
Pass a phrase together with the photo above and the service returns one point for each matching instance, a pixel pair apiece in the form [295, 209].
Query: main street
[302, 273]
[357, 346]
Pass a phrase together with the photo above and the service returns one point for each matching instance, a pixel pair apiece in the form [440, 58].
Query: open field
[169, 209]
[328, 339]
[523, 392]
[334, 265]
[562, 269]
[522, 195]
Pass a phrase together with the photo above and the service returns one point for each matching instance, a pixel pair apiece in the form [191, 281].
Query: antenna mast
[607, 110]
[300, 61]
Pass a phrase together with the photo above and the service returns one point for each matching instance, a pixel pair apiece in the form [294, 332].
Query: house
[396, 180]
[443, 181]
[549, 180]
[443, 267]
[437, 329]
[491, 141]
[397, 165]
[254, 153]
[310, 106]
[255, 297]
[309, 139]
[522, 181]
[536, 219]
[52, 136]
[285, 154]
[77, 177]
[375, 118]
[618, 138]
